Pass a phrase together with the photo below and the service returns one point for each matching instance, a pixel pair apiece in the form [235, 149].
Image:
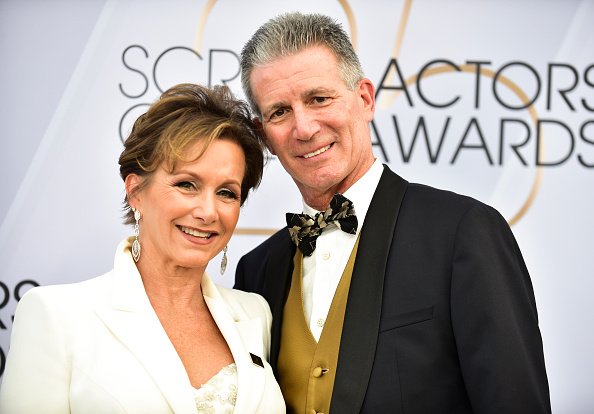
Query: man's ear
[269, 148]
[367, 95]
[132, 184]
[258, 123]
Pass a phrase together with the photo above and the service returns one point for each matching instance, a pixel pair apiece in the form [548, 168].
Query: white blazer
[98, 347]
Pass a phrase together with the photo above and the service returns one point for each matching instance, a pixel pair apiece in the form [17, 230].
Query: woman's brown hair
[184, 114]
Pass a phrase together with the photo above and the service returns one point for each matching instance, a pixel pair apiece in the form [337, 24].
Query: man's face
[318, 128]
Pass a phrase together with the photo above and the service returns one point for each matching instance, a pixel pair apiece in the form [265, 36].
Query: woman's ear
[132, 184]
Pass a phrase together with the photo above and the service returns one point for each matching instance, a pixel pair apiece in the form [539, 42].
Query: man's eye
[278, 113]
[226, 193]
[320, 99]
[186, 185]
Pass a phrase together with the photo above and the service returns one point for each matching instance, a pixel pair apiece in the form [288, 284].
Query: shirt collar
[360, 193]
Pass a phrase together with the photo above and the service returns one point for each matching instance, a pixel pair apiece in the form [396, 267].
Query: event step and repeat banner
[491, 99]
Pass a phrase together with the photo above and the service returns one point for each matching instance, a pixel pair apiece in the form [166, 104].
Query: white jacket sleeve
[37, 374]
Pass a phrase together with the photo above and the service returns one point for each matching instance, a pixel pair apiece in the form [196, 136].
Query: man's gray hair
[290, 33]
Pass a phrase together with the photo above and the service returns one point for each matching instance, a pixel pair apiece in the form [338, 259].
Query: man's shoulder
[423, 197]
[432, 205]
[425, 191]
[278, 239]
[251, 268]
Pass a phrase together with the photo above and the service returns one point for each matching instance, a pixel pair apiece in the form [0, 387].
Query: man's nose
[305, 124]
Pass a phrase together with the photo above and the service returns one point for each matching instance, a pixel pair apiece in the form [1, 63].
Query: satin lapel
[243, 336]
[364, 305]
[132, 320]
[276, 288]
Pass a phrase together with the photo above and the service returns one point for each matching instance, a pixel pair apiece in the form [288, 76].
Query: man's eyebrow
[305, 95]
[315, 92]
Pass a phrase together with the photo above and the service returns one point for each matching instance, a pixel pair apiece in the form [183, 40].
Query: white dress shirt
[323, 269]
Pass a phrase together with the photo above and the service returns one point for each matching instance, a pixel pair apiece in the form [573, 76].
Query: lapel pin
[256, 360]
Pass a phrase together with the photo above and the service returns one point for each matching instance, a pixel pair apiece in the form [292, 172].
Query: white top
[219, 394]
[323, 269]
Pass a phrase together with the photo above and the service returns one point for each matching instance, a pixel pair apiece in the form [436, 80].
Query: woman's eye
[226, 193]
[187, 185]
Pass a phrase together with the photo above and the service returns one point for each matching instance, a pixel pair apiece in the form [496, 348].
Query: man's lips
[195, 232]
[317, 152]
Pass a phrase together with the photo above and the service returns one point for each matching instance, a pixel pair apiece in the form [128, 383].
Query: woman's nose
[205, 209]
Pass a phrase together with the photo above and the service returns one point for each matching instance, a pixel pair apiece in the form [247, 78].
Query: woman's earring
[136, 243]
[224, 261]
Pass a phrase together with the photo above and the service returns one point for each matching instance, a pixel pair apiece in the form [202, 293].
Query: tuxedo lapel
[278, 281]
[243, 336]
[132, 320]
[363, 311]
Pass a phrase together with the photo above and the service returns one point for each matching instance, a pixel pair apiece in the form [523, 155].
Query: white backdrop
[503, 111]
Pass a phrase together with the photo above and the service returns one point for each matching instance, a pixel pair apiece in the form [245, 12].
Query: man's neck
[319, 199]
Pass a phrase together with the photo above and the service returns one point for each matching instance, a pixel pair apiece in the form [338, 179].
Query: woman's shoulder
[65, 295]
[53, 311]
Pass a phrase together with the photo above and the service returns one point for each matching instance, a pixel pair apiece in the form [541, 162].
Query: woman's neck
[171, 287]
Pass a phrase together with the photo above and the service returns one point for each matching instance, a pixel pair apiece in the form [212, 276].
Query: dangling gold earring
[136, 243]
[224, 261]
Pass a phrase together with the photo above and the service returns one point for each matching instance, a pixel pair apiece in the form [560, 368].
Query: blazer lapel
[363, 311]
[278, 281]
[133, 321]
[243, 336]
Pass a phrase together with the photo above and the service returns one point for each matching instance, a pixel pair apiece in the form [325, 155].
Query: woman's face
[189, 215]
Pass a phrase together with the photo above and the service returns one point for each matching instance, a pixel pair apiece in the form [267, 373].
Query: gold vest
[306, 368]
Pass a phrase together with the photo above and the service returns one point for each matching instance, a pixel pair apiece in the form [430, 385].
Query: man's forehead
[297, 56]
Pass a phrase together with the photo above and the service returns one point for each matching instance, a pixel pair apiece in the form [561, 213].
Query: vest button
[318, 372]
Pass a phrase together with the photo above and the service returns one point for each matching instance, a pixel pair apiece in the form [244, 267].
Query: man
[423, 304]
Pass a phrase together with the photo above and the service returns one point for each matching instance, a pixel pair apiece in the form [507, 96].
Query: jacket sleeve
[494, 318]
[37, 374]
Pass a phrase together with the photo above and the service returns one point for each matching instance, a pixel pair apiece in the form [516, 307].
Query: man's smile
[317, 152]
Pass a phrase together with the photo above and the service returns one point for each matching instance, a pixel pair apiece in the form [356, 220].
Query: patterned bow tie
[305, 229]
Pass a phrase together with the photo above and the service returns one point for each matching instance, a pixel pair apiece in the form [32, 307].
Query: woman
[155, 335]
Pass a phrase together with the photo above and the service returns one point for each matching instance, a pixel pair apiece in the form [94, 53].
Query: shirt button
[326, 255]
[317, 372]
[321, 322]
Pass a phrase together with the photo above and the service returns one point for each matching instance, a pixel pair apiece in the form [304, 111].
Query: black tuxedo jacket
[441, 316]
